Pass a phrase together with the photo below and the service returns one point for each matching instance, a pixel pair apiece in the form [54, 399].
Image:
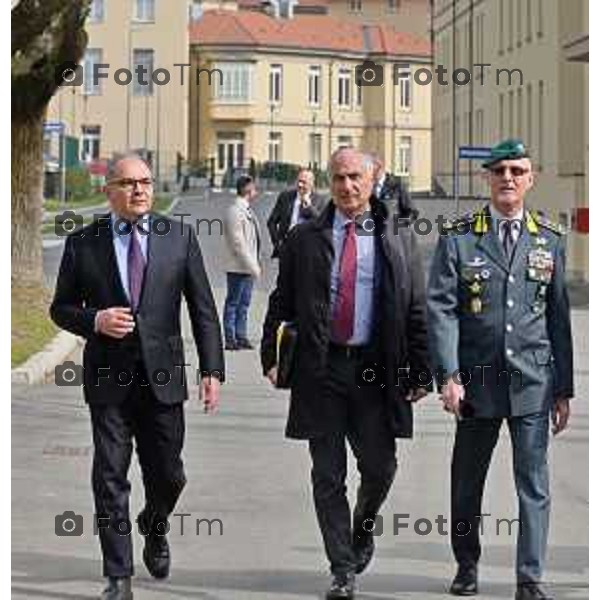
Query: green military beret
[506, 150]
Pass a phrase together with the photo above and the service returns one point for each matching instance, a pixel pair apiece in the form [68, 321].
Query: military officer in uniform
[500, 330]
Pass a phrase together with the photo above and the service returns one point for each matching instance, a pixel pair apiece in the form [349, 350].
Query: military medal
[476, 305]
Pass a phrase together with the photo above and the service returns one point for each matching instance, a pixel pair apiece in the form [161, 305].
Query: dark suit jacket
[397, 199]
[281, 217]
[89, 280]
[303, 295]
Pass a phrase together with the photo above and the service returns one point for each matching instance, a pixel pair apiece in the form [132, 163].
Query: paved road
[242, 471]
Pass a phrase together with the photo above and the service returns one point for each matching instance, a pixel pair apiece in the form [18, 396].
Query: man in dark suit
[293, 207]
[356, 295]
[120, 287]
[391, 191]
[499, 313]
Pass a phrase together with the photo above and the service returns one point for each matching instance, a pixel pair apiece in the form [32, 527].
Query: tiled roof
[257, 3]
[311, 32]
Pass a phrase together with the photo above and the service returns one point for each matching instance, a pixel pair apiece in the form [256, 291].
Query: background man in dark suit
[499, 312]
[357, 297]
[391, 191]
[293, 207]
[120, 286]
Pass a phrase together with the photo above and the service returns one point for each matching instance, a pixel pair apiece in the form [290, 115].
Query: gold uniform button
[509, 352]
[509, 328]
[511, 278]
[510, 303]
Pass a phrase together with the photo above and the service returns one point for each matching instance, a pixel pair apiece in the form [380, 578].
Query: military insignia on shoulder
[545, 222]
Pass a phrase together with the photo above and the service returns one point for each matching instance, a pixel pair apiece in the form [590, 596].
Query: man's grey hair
[112, 170]
[367, 159]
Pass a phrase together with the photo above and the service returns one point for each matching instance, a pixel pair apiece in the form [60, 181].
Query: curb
[39, 367]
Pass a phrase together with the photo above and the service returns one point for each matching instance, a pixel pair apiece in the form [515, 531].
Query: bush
[78, 184]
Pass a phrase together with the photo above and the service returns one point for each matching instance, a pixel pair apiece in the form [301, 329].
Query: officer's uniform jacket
[506, 326]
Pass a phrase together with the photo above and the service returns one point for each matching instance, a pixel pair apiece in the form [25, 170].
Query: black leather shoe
[465, 582]
[231, 345]
[531, 591]
[364, 547]
[157, 556]
[118, 588]
[244, 344]
[342, 587]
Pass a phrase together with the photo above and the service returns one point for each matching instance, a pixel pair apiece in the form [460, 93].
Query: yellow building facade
[534, 88]
[110, 118]
[289, 93]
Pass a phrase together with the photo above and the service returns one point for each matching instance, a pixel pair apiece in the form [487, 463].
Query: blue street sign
[54, 127]
[474, 152]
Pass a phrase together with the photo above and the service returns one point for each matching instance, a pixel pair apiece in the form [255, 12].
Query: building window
[511, 15]
[230, 150]
[481, 34]
[404, 156]
[540, 30]
[90, 142]
[314, 86]
[143, 59]
[93, 56]
[529, 139]
[528, 22]
[479, 126]
[520, 112]
[500, 116]
[511, 113]
[359, 96]
[315, 141]
[393, 5]
[275, 143]
[519, 23]
[344, 141]
[96, 11]
[235, 82]
[501, 27]
[344, 87]
[144, 10]
[404, 91]
[276, 84]
[541, 125]
[355, 5]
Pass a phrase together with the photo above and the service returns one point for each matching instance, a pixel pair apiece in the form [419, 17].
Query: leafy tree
[45, 35]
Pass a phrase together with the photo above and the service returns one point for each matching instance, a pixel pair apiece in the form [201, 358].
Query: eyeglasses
[129, 184]
[515, 172]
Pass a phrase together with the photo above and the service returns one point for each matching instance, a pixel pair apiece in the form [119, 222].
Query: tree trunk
[27, 176]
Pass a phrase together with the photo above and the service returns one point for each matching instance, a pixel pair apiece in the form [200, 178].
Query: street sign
[474, 152]
[54, 127]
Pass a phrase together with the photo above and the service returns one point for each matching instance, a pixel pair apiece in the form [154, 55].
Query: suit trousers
[361, 419]
[158, 431]
[474, 444]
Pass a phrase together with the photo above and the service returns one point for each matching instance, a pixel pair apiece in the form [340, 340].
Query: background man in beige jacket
[242, 240]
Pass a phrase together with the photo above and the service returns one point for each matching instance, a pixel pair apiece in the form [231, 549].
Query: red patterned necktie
[136, 265]
[343, 313]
